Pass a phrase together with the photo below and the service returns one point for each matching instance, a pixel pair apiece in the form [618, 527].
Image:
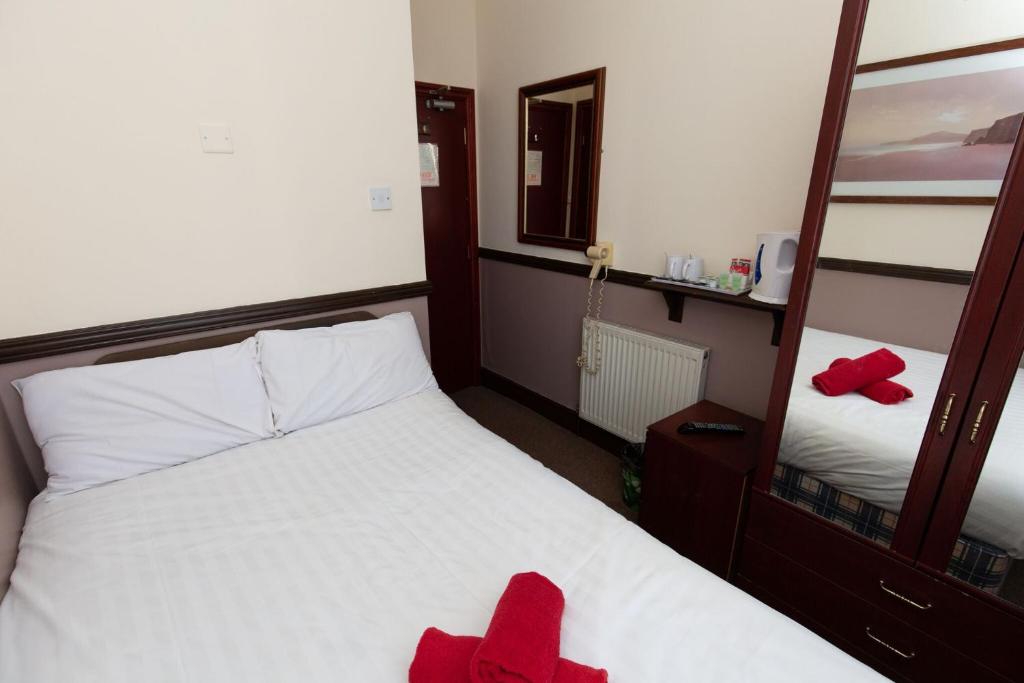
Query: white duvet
[869, 450]
[322, 556]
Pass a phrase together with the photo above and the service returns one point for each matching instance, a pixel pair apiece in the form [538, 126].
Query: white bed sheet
[322, 556]
[869, 450]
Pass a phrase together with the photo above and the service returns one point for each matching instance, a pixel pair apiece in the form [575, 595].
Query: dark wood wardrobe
[900, 602]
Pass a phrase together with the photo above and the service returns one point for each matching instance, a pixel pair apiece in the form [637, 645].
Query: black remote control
[710, 428]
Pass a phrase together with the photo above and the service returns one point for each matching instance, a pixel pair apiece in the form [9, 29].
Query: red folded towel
[444, 658]
[859, 372]
[522, 641]
[885, 392]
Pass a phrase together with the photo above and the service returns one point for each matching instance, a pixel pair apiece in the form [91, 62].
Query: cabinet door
[977, 532]
[878, 284]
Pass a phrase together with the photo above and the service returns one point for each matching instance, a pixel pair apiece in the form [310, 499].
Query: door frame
[468, 97]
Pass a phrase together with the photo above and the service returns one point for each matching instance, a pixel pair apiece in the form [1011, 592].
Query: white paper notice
[534, 166]
[429, 175]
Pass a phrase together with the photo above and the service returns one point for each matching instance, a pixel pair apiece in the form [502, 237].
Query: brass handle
[977, 422]
[887, 646]
[945, 413]
[881, 584]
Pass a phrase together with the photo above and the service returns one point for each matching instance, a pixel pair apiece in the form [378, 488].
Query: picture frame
[936, 128]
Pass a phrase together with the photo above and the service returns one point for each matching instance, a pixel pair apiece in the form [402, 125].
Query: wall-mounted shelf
[675, 296]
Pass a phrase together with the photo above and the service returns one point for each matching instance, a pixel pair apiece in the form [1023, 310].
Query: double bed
[867, 451]
[322, 555]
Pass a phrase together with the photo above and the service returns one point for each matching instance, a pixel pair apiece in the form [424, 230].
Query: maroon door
[549, 131]
[449, 231]
[581, 185]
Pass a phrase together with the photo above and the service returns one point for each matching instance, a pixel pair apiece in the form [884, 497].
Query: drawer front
[691, 504]
[981, 631]
[874, 636]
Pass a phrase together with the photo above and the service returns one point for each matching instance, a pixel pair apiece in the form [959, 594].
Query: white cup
[693, 269]
[674, 267]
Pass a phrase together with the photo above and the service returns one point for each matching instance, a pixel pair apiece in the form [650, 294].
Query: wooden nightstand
[695, 487]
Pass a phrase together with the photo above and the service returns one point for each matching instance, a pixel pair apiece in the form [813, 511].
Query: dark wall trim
[621, 277]
[58, 343]
[899, 199]
[947, 275]
[552, 410]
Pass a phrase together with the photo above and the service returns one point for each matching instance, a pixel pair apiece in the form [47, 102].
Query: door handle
[977, 422]
[945, 413]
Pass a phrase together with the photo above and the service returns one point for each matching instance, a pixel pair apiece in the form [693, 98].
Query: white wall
[711, 114]
[109, 211]
[444, 41]
[937, 236]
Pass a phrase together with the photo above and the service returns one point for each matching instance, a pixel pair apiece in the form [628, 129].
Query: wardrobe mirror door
[922, 159]
[989, 551]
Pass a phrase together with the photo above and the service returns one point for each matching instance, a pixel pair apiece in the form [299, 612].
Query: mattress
[868, 450]
[322, 556]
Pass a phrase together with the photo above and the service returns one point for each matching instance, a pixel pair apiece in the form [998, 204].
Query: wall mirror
[560, 160]
[887, 274]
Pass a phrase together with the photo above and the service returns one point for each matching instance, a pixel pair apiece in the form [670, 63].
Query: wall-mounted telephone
[600, 256]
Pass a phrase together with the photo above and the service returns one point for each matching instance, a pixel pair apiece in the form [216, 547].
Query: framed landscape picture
[932, 129]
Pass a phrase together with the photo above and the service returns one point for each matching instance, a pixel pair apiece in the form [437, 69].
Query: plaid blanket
[980, 564]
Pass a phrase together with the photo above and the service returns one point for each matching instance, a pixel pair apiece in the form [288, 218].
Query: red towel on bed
[859, 372]
[522, 641]
[444, 658]
[885, 392]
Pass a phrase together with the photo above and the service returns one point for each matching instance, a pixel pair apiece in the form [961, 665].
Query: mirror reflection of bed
[850, 459]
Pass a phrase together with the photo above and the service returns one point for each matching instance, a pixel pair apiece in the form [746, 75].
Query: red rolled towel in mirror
[444, 658]
[859, 372]
[522, 641]
[885, 392]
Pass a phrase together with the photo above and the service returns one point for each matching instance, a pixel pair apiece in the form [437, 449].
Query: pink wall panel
[531, 334]
[914, 313]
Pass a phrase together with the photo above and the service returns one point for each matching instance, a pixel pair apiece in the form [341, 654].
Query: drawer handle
[887, 646]
[881, 584]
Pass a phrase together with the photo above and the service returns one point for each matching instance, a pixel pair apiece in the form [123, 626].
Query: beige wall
[720, 152]
[938, 236]
[109, 211]
[444, 41]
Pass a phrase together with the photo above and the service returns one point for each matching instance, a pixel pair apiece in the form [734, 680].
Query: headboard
[213, 341]
[22, 474]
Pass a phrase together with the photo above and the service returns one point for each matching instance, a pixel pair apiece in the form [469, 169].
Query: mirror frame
[837, 96]
[595, 77]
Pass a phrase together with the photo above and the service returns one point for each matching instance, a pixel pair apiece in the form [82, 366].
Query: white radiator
[640, 379]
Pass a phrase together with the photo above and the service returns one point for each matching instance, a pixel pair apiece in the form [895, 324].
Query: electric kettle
[773, 266]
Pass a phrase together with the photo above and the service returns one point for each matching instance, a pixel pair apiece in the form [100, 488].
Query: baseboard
[552, 410]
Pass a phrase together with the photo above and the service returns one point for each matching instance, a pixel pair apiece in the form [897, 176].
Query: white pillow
[107, 422]
[320, 374]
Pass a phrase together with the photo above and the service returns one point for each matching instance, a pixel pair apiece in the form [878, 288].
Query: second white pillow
[320, 374]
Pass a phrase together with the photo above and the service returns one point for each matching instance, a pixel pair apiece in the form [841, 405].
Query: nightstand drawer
[695, 487]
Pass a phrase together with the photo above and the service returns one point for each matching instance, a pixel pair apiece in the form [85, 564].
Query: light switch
[216, 138]
[380, 198]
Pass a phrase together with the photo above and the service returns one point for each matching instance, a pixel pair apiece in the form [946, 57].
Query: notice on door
[429, 174]
[534, 166]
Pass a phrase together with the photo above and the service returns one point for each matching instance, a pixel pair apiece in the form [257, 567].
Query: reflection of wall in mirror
[892, 310]
[919, 234]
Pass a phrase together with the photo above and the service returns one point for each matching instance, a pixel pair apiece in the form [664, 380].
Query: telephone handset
[600, 256]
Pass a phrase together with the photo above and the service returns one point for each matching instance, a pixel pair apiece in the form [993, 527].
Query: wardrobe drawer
[981, 631]
[871, 634]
